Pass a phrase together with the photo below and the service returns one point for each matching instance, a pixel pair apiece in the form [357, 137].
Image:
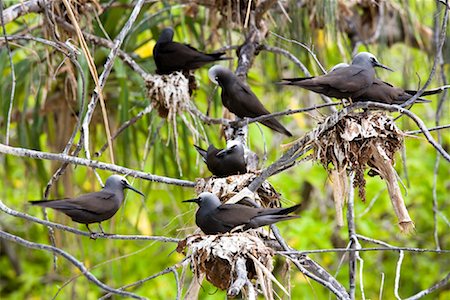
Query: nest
[228, 187]
[170, 96]
[218, 256]
[357, 142]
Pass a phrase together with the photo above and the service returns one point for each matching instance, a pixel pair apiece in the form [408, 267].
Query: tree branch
[21, 152]
[71, 259]
[21, 215]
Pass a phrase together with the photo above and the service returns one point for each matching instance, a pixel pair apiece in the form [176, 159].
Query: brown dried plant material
[384, 166]
[340, 192]
[170, 96]
[215, 257]
[226, 188]
[357, 142]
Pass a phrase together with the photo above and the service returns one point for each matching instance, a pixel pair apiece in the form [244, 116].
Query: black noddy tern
[224, 162]
[93, 207]
[171, 56]
[384, 92]
[213, 217]
[350, 81]
[238, 98]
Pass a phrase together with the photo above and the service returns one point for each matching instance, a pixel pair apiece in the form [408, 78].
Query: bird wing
[86, 203]
[245, 102]
[235, 214]
[345, 80]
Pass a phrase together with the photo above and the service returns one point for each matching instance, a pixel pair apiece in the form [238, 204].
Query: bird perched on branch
[238, 98]
[93, 207]
[384, 92]
[350, 81]
[213, 217]
[171, 56]
[224, 162]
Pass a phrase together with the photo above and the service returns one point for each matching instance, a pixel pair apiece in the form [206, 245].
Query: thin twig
[93, 164]
[345, 250]
[429, 129]
[444, 281]
[98, 92]
[124, 126]
[353, 240]
[21, 215]
[139, 282]
[299, 64]
[397, 274]
[440, 45]
[79, 265]
[13, 76]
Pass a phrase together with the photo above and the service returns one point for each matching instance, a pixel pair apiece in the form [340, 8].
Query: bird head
[367, 59]
[120, 182]
[166, 35]
[233, 146]
[206, 199]
[219, 75]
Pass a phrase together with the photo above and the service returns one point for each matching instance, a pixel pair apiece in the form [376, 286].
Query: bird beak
[135, 190]
[192, 200]
[383, 66]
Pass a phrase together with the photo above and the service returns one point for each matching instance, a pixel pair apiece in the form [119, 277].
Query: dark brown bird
[384, 92]
[171, 56]
[238, 98]
[344, 82]
[224, 162]
[213, 217]
[93, 207]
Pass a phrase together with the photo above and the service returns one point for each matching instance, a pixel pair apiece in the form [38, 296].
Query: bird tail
[426, 93]
[201, 151]
[292, 81]
[41, 202]
[55, 204]
[218, 56]
[287, 210]
[273, 124]
[281, 211]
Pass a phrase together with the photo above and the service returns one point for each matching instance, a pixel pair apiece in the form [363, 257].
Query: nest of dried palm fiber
[170, 96]
[232, 261]
[228, 187]
[357, 142]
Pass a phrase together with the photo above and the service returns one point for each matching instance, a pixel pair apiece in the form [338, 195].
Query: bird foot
[237, 228]
[95, 235]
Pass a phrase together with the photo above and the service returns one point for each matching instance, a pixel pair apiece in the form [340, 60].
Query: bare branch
[163, 272]
[20, 9]
[13, 76]
[102, 80]
[241, 277]
[343, 250]
[71, 259]
[352, 237]
[91, 163]
[18, 214]
[439, 46]
[289, 156]
[431, 289]
[124, 126]
[397, 274]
